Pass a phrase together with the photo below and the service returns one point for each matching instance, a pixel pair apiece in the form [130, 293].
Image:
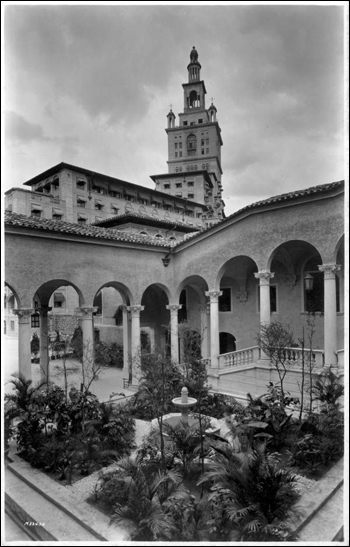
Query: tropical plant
[187, 444]
[252, 496]
[23, 395]
[328, 389]
[144, 510]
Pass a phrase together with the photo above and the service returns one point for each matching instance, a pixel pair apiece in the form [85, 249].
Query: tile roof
[145, 219]
[290, 196]
[322, 188]
[59, 226]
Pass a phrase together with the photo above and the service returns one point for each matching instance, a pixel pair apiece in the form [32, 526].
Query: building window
[225, 300]
[144, 234]
[12, 325]
[185, 123]
[175, 145]
[80, 202]
[180, 144]
[159, 236]
[98, 206]
[190, 196]
[114, 209]
[81, 184]
[58, 300]
[81, 220]
[167, 186]
[35, 320]
[180, 154]
[35, 213]
[191, 144]
[190, 183]
[178, 185]
[207, 151]
[200, 120]
[56, 216]
[175, 154]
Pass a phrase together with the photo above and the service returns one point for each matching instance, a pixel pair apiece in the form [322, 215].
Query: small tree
[274, 339]
[35, 345]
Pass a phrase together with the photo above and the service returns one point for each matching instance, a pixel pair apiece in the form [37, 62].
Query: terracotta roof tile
[15, 219]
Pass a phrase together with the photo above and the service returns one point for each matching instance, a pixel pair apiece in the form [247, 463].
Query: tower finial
[194, 55]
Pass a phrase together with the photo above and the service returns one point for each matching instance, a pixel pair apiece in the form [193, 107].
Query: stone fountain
[184, 403]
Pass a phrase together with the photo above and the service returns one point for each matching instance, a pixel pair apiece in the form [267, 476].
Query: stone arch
[197, 282]
[124, 291]
[45, 291]
[15, 294]
[239, 268]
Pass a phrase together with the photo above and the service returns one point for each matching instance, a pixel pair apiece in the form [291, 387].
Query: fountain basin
[173, 419]
[178, 401]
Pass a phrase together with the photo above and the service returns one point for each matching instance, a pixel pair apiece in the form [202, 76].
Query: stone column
[214, 327]
[265, 308]
[44, 344]
[174, 331]
[135, 338]
[125, 339]
[264, 283]
[24, 353]
[87, 327]
[330, 313]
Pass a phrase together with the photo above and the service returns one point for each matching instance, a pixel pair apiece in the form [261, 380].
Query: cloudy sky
[91, 85]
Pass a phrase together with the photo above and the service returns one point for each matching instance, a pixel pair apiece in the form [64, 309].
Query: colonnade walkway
[110, 379]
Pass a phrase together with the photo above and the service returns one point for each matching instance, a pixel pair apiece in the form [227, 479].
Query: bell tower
[194, 148]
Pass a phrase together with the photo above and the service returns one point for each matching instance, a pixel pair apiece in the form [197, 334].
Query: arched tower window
[194, 99]
[191, 144]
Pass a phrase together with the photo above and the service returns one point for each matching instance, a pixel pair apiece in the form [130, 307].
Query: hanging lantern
[309, 282]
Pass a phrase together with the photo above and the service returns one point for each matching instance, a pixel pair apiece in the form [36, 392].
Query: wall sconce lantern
[309, 282]
[166, 261]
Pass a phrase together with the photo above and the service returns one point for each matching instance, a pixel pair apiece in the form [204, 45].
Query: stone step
[327, 522]
[35, 514]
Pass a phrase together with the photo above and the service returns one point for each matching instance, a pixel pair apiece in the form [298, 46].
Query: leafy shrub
[320, 440]
[118, 434]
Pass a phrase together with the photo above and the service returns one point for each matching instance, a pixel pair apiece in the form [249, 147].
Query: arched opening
[238, 303]
[194, 99]
[155, 320]
[191, 144]
[227, 342]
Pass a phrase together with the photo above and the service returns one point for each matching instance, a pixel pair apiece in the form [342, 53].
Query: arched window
[191, 144]
[159, 236]
[143, 234]
[194, 99]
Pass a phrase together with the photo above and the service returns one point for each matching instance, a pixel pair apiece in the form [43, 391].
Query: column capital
[264, 277]
[213, 295]
[23, 313]
[135, 310]
[86, 310]
[173, 308]
[329, 270]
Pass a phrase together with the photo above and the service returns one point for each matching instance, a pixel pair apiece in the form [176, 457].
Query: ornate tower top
[194, 55]
[194, 67]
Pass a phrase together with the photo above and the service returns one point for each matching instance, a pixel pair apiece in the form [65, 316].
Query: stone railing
[340, 358]
[294, 357]
[239, 358]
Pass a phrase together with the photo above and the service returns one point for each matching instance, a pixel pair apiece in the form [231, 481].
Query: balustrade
[293, 357]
